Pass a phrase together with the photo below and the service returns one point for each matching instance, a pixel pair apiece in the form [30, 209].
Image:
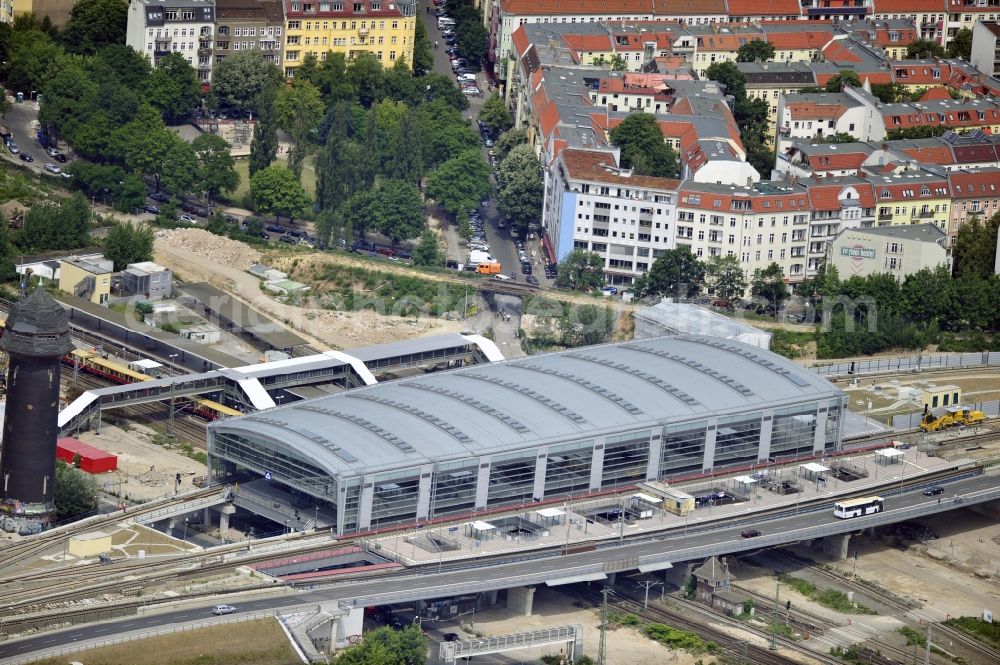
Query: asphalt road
[679, 546]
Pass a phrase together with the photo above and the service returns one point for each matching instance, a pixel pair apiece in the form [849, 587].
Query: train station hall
[514, 431]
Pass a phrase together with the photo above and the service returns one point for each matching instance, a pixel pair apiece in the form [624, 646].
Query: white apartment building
[803, 116]
[593, 205]
[159, 27]
[765, 223]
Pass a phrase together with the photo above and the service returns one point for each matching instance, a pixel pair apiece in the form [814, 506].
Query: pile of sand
[218, 249]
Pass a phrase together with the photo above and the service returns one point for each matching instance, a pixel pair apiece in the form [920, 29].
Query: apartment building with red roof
[928, 15]
[975, 194]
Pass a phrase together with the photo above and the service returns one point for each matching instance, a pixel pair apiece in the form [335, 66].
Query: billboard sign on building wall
[857, 252]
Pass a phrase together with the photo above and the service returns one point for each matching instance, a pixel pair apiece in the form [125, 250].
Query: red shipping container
[92, 460]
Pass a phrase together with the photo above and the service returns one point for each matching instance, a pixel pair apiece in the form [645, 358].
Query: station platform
[576, 532]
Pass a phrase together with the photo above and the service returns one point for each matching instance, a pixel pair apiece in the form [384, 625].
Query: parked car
[298, 234]
[450, 637]
[526, 268]
[223, 609]
[750, 533]
[276, 228]
[59, 157]
[291, 240]
[52, 168]
[451, 263]
[187, 219]
[26, 157]
[162, 197]
[532, 280]
[52, 152]
[152, 209]
[404, 254]
[14, 149]
[363, 246]
[194, 209]
[610, 290]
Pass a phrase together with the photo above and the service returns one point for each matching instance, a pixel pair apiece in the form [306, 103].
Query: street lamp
[185, 530]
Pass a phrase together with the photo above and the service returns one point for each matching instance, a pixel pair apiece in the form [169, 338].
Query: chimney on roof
[885, 147]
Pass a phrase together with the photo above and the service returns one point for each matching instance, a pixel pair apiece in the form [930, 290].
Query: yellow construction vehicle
[933, 421]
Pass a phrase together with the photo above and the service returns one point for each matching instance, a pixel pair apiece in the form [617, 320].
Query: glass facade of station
[619, 460]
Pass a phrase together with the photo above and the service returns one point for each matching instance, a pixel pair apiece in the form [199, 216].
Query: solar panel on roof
[697, 366]
[528, 392]
[414, 411]
[750, 355]
[362, 422]
[593, 387]
[515, 425]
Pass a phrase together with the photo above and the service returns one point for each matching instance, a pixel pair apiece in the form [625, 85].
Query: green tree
[129, 194]
[960, 46]
[299, 111]
[769, 284]
[177, 169]
[61, 226]
[264, 144]
[460, 183]
[581, 270]
[729, 75]
[839, 137]
[520, 188]
[923, 49]
[385, 646]
[921, 132]
[754, 50]
[128, 243]
[974, 250]
[408, 163]
[642, 146]
[400, 210]
[846, 77]
[240, 79]
[308, 71]
[617, 63]
[276, 191]
[366, 77]
[494, 114]
[173, 88]
[75, 492]
[34, 61]
[725, 277]
[428, 250]
[890, 93]
[586, 325]
[359, 213]
[332, 79]
[472, 42]
[94, 24]
[216, 168]
[423, 54]
[508, 141]
[676, 273]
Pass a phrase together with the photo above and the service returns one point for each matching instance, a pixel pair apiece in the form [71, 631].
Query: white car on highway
[223, 609]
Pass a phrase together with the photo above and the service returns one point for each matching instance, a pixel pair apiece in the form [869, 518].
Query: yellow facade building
[384, 28]
[86, 277]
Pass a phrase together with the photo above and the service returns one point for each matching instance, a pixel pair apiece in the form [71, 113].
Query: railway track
[987, 653]
[18, 552]
[708, 627]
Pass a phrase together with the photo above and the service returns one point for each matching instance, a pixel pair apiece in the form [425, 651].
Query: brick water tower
[35, 337]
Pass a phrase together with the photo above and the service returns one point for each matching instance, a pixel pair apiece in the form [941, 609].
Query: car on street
[488, 142]
[26, 157]
[162, 197]
[290, 239]
[152, 209]
[187, 219]
[933, 491]
[13, 148]
[52, 168]
[750, 533]
[502, 277]
[59, 157]
[298, 234]
[52, 152]
[610, 290]
[532, 280]
[223, 609]
[451, 263]
[526, 268]
[450, 637]
[276, 228]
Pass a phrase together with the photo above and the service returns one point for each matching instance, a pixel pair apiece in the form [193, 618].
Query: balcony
[885, 217]
[204, 51]
[921, 214]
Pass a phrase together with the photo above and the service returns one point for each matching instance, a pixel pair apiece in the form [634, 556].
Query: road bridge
[524, 573]
[252, 386]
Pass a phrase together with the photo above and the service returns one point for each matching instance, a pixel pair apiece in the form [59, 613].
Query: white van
[446, 23]
[470, 78]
